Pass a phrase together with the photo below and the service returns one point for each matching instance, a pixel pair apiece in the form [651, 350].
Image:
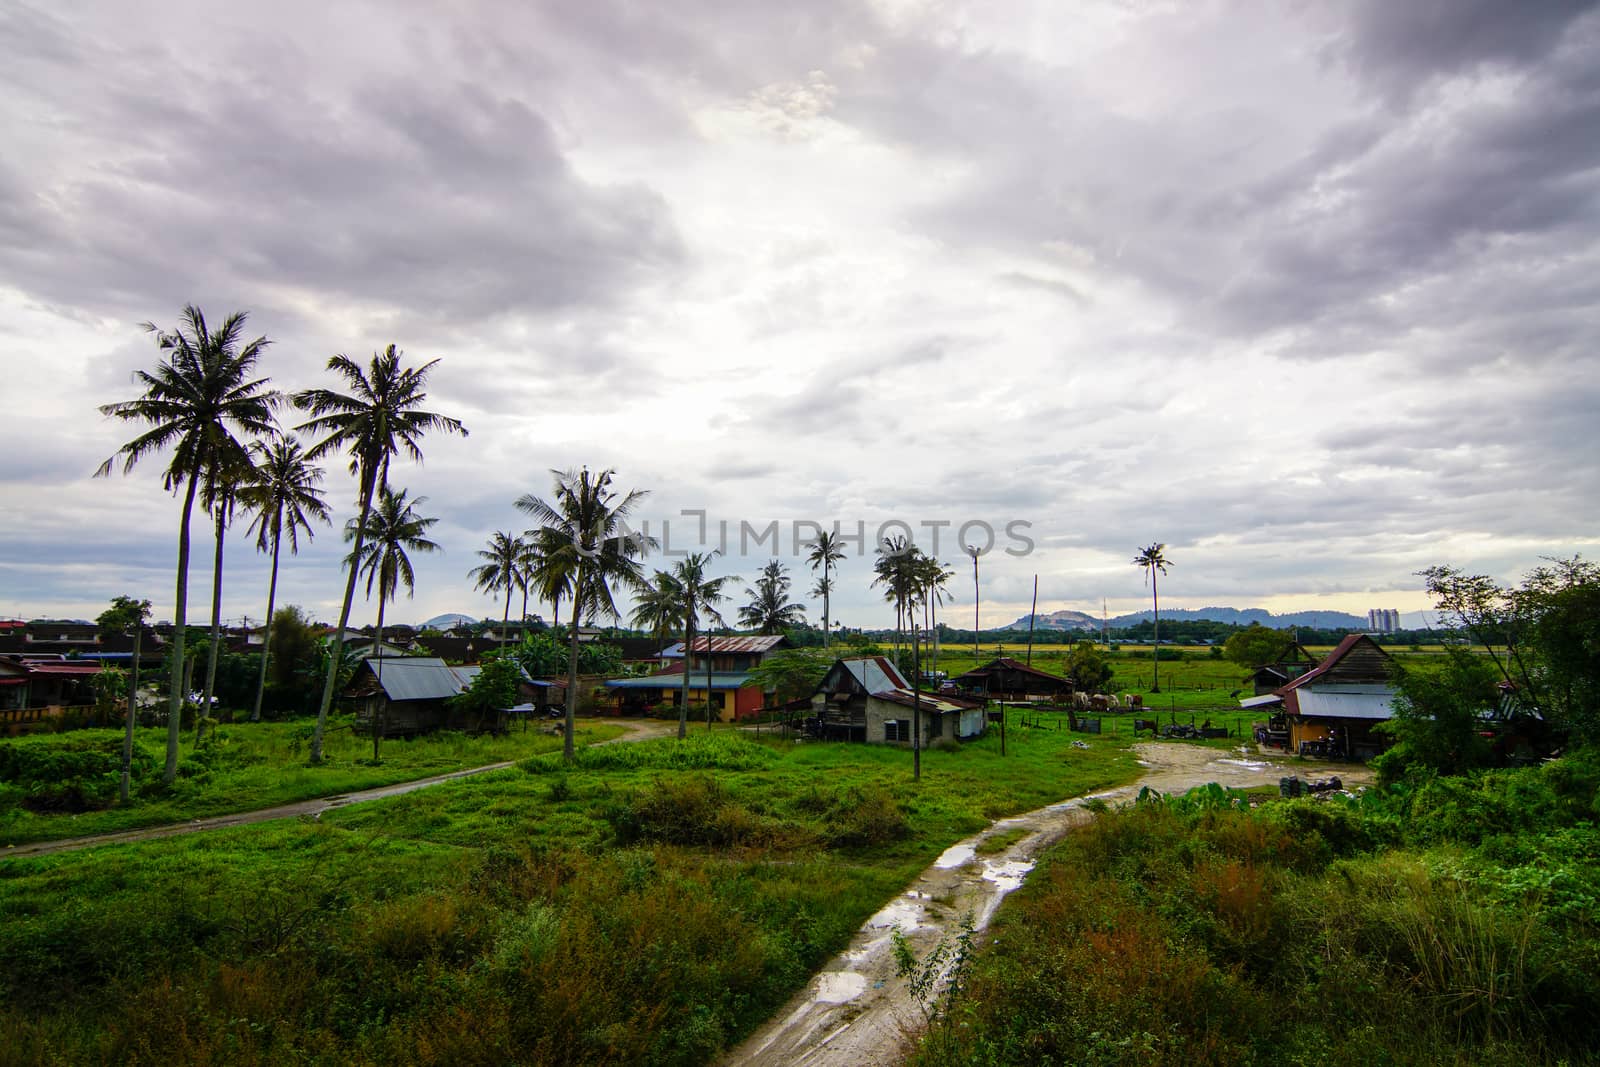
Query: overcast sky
[1308, 292]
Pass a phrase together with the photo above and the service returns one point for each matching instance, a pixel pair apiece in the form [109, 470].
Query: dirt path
[638, 730]
[856, 1012]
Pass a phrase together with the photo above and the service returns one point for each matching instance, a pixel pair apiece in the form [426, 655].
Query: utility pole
[1032, 616]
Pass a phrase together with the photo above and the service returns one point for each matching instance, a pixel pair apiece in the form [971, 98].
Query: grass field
[243, 767]
[649, 904]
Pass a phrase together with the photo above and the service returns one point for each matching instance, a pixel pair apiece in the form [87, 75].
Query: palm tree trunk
[683, 699]
[179, 616]
[377, 711]
[505, 619]
[555, 611]
[367, 481]
[916, 711]
[1155, 651]
[827, 628]
[133, 713]
[266, 639]
[976, 595]
[568, 749]
[216, 632]
[708, 675]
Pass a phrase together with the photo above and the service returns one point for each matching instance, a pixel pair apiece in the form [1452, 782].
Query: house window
[897, 729]
[936, 726]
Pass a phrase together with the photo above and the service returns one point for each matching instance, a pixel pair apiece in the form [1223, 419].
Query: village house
[868, 699]
[1003, 678]
[719, 670]
[411, 695]
[1333, 708]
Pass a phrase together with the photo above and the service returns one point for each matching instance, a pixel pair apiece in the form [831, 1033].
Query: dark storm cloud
[436, 198]
[1401, 44]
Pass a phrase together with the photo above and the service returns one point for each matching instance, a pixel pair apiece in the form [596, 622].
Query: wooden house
[867, 699]
[1003, 678]
[411, 695]
[719, 671]
[1333, 708]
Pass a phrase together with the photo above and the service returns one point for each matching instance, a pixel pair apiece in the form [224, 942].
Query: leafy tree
[770, 610]
[1256, 646]
[196, 401]
[1088, 667]
[1558, 610]
[500, 569]
[299, 652]
[1438, 718]
[393, 530]
[543, 654]
[380, 417]
[494, 688]
[1153, 560]
[826, 550]
[583, 532]
[283, 493]
[791, 673]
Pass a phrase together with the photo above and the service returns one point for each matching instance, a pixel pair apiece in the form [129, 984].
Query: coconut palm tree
[197, 400]
[974, 553]
[770, 611]
[124, 614]
[548, 576]
[896, 571]
[380, 417]
[1153, 560]
[392, 531]
[932, 578]
[282, 492]
[826, 550]
[500, 570]
[588, 549]
[219, 496]
[528, 557]
[658, 607]
[696, 592]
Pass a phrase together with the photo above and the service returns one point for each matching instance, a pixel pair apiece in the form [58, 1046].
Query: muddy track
[855, 1012]
[638, 730]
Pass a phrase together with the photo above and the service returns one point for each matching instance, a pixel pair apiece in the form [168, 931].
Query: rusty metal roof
[756, 644]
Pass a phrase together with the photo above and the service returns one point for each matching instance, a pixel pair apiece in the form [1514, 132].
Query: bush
[69, 774]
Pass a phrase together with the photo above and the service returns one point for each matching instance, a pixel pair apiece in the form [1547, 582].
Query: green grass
[650, 904]
[1450, 921]
[255, 765]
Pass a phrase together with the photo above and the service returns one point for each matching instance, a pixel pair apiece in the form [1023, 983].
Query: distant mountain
[447, 620]
[1319, 620]
[1059, 620]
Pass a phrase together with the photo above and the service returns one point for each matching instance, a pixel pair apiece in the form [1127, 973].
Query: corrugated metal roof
[1363, 702]
[875, 674]
[1261, 701]
[697, 680]
[758, 643]
[422, 678]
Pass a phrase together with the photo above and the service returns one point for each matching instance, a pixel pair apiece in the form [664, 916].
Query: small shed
[1003, 678]
[411, 695]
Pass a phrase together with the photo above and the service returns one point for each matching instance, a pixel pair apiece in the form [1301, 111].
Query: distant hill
[1060, 620]
[447, 620]
[1319, 620]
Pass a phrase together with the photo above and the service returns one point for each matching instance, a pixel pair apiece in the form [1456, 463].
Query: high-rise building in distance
[1383, 620]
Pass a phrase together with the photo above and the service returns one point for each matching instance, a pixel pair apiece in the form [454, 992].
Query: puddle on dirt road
[904, 912]
[839, 987]
[1249, 765]
[956, 856]
[1008, 875]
